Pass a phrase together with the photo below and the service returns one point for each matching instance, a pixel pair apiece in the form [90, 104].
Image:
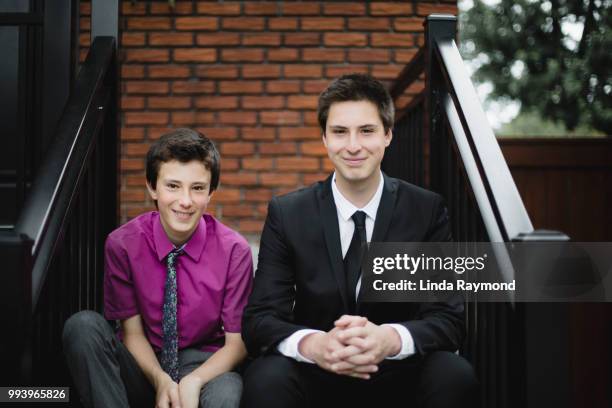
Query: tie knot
[359, 219]
[173, 254]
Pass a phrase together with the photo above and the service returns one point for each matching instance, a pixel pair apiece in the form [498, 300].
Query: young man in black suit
[315, 343]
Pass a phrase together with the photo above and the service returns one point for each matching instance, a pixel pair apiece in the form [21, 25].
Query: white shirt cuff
[289, 346]
[407, 342]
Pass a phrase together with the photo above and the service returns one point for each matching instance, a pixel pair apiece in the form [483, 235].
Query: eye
[172, 186]
[199, 188]
[367, 131]
[339, 131]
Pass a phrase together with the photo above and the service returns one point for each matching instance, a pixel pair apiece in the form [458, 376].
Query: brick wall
[247, 74]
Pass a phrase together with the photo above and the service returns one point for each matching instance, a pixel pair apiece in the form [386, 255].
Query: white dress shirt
[345, 210]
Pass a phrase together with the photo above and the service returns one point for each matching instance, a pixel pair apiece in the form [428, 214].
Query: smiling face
[355, 140]
[182, 194]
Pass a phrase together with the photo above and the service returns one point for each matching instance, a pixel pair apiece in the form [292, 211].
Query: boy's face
[355, 140]
[182, 194]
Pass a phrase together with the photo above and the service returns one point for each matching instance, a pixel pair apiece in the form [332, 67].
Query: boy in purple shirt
[177, 280]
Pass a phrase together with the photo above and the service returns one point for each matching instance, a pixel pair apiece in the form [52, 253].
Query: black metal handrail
[54, 253]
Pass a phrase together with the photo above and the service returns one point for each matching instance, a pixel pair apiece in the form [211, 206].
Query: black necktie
[169, 354]
[353, 258]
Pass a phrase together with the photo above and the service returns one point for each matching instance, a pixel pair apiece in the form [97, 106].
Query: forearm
[223, 360]
[143, 353]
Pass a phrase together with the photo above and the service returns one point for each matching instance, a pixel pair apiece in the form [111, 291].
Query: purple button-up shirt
[214, 278]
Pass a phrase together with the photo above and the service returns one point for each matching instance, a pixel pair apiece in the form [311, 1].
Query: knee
[450, 374]
[224, 391]
[83, 329]
[268, 375]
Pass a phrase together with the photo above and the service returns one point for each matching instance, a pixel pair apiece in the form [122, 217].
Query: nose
[185, 200]
[353, 143]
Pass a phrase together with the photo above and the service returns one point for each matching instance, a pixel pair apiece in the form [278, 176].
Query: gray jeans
[106, 374]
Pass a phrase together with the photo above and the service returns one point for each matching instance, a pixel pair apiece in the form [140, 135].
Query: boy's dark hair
[183, 145]
[357, 87]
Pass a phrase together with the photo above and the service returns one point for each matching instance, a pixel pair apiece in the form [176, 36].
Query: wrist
[305, 346]
[160, 378]
[394, 341]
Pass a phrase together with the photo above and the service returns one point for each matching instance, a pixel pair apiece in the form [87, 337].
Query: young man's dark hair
[357, 87]
[183, 145]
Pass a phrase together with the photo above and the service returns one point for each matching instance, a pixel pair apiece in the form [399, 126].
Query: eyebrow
[179, 182]
[360, 126]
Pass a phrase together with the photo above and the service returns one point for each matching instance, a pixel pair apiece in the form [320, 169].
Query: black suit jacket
[300, 281]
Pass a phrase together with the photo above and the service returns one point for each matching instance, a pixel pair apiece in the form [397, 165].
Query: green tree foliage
[526, 52]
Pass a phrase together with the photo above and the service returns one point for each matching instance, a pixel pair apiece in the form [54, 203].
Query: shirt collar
[193, 247]
[346, 209]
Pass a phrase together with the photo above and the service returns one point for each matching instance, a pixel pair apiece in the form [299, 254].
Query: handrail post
[437, 26]
[105, 20]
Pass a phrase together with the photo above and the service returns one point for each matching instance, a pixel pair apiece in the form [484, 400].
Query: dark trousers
[440, 380]
[106, 374]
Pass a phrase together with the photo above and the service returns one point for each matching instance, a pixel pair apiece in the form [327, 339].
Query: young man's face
[355, 140]
[182, 194]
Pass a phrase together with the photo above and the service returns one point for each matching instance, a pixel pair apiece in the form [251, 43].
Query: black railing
[446, 144]
[53, 258]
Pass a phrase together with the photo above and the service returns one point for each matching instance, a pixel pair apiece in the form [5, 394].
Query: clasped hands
[354, 347]
[185, 394]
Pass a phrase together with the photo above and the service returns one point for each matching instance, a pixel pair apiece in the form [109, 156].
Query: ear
[324, 139]
[388, 137]
[152, 191]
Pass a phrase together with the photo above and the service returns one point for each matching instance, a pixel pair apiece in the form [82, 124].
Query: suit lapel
[385, 210]
[329, 216]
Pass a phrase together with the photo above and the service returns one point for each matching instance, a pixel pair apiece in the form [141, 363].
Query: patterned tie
[353, 258]
[169, 354]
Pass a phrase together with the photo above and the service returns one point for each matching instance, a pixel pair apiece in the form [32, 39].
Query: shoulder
[223, 234]
[301, 197]
[132, 232]
[414, 193]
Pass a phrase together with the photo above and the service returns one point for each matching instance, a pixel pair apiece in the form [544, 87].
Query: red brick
[404, 56]
[239, 179]
[220, 133]
[323, 54]
[302, 39]
[219, 9]
[390, 9]
[310, 118]
[154, 133]
[261, 39]
[149, 23]
[312, 178]
[193, 118]
[263, 102]
[131, 164]
[244, 23]
[392, 40]
[132, 133]
[276, 179]
[196, 23]
[217, 102]
[172, 39]
[302, 102]
[282, 23]
[282, 54]
[258, 195]
[130, 8]
[132, 195]
[313, 149]
[427, 9]
[135, 149]
[195, 54]
[327, 165]
[132, 102]
[132, 212]
[369, 24]
[283, 87]
[85, 9]
[277, 148]
[219, 71]
[146, 55]
[164, 8]
[257, 164]
[250, 226]
[169, 102]
[218, 39]
[193, 87]
[168, 71]
[239, 211]
[132, 71]
[259, 133]
[85, 23]
[146, 87]
[322, 24]
[386, 71]
[146, 118]
[333, 72]
[260, 8]
[345, 39]
[237, 148]
[300, 8]
[240, 87]
[238, 118]
[297, 163]
[242, 54]
[344, 9]
[84, 40]
[280, 117]
[408, 24]
[127, 39]
[135, 181]
[303, 71]
[227, 195]
[300, 133]
[315, 86]
[261, 71]
[368, 55]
